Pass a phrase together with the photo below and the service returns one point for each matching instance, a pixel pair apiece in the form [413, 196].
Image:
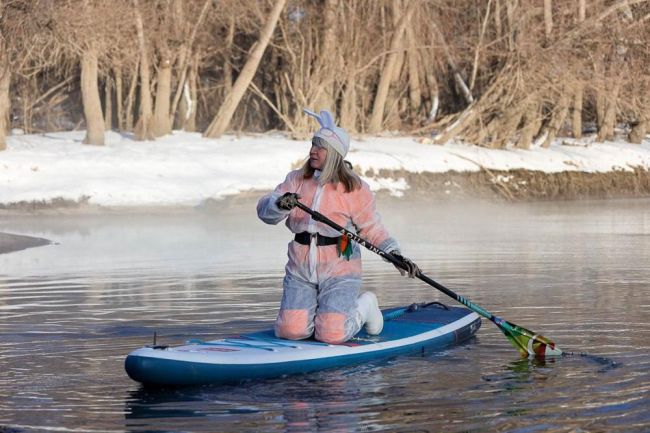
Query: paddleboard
[260, 355]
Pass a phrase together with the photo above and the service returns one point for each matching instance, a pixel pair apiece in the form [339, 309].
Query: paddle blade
[527, 342]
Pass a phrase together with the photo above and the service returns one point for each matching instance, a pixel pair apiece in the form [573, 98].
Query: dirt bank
[526, 185]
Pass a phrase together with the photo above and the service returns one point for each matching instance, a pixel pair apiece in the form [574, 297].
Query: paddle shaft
[317, 216]
[526, 341]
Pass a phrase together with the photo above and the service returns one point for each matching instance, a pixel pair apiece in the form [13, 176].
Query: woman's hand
[411, 268]
[288, 201]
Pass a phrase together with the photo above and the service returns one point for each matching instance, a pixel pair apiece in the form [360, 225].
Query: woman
[323, 274]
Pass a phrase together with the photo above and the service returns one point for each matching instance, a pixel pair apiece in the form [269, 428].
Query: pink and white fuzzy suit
[321, 288]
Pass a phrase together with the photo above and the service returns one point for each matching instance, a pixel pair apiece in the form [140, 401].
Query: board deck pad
[261, 355]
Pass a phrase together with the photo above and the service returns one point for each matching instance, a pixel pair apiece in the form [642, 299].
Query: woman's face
[317, 157]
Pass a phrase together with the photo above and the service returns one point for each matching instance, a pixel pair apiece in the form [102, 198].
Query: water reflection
[327, 401]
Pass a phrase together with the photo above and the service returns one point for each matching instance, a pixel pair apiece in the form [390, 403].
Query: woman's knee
[330, 328]
[293, 325]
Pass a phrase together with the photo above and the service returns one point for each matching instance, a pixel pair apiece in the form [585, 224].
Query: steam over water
[577, 272]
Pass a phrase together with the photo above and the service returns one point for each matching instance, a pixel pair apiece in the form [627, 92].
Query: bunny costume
[321, 288]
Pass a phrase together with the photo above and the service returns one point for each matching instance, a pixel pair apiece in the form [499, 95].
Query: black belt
[304, 238]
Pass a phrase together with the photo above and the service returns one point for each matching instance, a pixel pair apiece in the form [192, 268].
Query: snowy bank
[185, 169]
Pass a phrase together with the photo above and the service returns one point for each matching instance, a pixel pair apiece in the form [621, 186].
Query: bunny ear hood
[313, 114]
[327, 119]
[336, 137]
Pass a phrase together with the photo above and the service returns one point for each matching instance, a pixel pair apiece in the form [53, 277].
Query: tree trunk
[108, 102]
[498, 27]
[606, 129]
[414, 59]
[5, 81]
[556, 122]
[576, 122]
[349, 105]
[161, 124]
[190, 125]
[185, 56]
[379, 104]
[600, 107]
[118, 99]
[548, 19]
[479, 45]
[188, 103]
[601, 85]
[5, 100]
[396, 104]
[143, 128]
[325, 76]
[400, 54]
[90, 96]
[224, 115]
[130, 98]
[507, 128]
[227, 67]
[639, 131]
[180, 26]
[532, 124]
[511, 12]
[181, 69]
[434, 96]
[184, 107]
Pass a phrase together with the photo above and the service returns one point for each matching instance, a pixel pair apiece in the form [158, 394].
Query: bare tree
[144, 125]
[188, 26]
[175, 36]
[579, 87]
[361, 51]
[187, 108]
[90, 93]
[326, 63]
[224, 115]
[379, 105]
[493, 73]
[414, 62]
[642, 126]
[20, 38]
[548, 19]
[162, 122]
[78, 30]
[86, 33]
[5, 80]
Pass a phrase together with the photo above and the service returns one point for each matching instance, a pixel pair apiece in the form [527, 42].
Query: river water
[577, 272]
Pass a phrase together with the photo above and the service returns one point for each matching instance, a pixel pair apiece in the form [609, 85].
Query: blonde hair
[335, 170]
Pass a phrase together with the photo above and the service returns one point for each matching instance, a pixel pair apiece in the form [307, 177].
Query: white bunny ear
[327, 119]
[314, 115]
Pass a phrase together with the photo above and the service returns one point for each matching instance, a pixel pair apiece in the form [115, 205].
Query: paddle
[527, 342]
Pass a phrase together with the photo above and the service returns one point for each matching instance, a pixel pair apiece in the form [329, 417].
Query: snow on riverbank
[185, 169]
